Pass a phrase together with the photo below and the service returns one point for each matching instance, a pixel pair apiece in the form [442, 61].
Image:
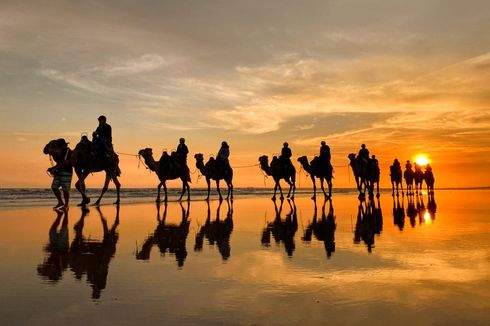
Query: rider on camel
[102, 137]
[222, 158]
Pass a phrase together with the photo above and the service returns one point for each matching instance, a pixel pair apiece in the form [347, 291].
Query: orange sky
[402, 77]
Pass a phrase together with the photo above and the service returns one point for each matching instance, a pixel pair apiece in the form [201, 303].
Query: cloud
[145, 63]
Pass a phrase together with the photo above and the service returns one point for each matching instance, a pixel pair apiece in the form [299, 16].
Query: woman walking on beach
[62, 172]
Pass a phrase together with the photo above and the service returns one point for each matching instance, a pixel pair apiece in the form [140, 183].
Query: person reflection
[92, 257]
[399, 213]
[217, 232]
[323, 230]
[168, 237]
[369, 223]
[431, 206]
[282, 230]
[57, 249]
[411, 210]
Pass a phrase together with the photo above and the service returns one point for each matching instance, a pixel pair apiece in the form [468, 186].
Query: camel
[315, 171]
[419, 178]
[165, 170]
[409, 175]
[215, 171]
[359, 171]
[372, 179]
[278, 172]
[396, 179]
[365, 174]
[217, 232]
[429, 180]
[85, 162]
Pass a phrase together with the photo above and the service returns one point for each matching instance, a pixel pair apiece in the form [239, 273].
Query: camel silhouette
[315, 169]
[279, 171]
[212, 170]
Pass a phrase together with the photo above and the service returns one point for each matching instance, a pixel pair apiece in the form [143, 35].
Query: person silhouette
[364, 153]
[181, 152]
[222, 158]
[102, 136]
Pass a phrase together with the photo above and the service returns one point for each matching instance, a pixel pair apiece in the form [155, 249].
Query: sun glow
[422, 159]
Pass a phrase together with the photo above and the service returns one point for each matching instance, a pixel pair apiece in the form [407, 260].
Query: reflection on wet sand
[415, 208]
[217, 231]
[282, 230]
[324, 230]
[369, 222]
[168, 237]
[399, 212]
[84, 256]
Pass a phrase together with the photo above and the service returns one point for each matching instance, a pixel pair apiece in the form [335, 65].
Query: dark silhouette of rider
[102, 136]
[286, 154]
[408, 165]
[364, 153]
[222, 157]
[374, 160]
[396, 165]
[325, 155]
[181, 152]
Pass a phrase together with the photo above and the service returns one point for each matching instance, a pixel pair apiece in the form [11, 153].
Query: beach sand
[252, 267]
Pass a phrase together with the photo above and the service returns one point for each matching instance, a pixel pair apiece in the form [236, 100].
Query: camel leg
[188, 192]
[230, 190]
[164, 184]
[314, 187]
[323, 188]
[118, 189]
[184, 187]
[159, 187]
[275, 190]
[208, 181]
[329, 189]
[219, 191]
[80, 186]
[377, 189]
[393, 188]
[280, 190]
[104, 189]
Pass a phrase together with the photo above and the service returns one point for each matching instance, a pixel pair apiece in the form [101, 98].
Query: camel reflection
[84, 256]
[399, 213]
[168, 237]
[282, 230]
[369, 223]
[420, 208]
[324, 230]
[411, 210]
[217, 231]
[431, 206]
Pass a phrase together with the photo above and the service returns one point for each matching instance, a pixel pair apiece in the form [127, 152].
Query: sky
[404, 77]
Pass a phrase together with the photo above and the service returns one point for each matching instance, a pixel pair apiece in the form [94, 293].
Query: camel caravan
[98, 155]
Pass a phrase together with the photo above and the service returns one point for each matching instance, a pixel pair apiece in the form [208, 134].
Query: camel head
[351, 156]
[48, 149]
[264, 160]
[199, 157]
[146, 152]
[303, 160]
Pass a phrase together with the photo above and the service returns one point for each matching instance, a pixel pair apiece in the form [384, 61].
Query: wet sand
[255, 265]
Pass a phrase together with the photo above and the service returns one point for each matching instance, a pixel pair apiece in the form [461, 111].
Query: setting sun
[422, 159]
